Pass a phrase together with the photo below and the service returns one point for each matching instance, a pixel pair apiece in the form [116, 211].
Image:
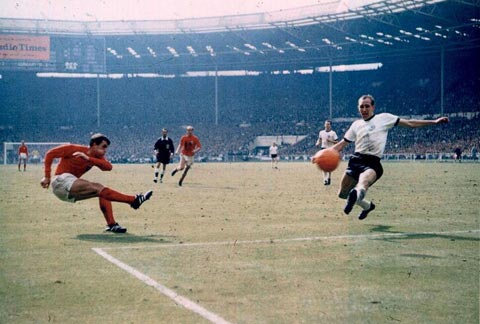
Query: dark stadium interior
[133, 110]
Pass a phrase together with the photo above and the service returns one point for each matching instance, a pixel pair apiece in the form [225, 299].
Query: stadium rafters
[303, 16]
[387, 28]
[298, 38]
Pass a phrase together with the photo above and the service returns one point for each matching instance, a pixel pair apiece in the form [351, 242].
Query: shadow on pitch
[124, 238]
[421, 256]
[417, 236]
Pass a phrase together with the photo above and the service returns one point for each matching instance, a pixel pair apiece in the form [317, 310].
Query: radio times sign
[52, 53]
[14, 47]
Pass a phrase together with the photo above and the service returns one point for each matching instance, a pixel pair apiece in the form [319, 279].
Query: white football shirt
[325, 136]
[370, 136]
[273, 150]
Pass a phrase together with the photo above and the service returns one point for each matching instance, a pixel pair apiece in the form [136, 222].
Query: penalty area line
[295, 239]
[180, 300]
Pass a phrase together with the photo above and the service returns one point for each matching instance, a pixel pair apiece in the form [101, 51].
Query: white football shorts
[188, 159]
[61, 186]
[23, 156]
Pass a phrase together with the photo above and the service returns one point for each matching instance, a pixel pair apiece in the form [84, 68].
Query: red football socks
[106, 208]
[113, 195]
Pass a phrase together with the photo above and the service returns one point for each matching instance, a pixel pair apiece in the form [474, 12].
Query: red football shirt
[77, 166]
[23, 149]
[189, 143]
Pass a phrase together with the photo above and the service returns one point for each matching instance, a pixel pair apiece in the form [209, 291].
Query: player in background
[457, 155]
[35, 156]
[22, 156]
[164, 151]
[327, 138]
[273, 151]
[189, 146]
[75, 161]
[370, 136]
[473, 153]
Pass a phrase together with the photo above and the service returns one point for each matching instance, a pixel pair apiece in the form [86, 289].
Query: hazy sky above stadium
[102, 10]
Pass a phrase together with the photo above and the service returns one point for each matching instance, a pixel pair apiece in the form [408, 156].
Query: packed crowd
[135, 144]
[133, 110]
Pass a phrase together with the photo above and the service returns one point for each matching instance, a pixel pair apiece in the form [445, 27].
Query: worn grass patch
[411, 260]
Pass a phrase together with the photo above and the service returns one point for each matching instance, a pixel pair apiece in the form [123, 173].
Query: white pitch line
[185, 302]
[212, 317]
[294, 239]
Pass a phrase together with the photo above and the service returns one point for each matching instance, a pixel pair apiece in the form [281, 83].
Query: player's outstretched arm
[340, 145]
[415, 123]
[442, 120]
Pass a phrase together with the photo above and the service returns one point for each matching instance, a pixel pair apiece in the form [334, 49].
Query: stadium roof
[134, 10]
[296, 38]
[322, 12]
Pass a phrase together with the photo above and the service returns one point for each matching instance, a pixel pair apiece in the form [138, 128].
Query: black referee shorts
[359, 163]
[163, 158]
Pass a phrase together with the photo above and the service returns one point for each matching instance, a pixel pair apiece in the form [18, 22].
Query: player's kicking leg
[83, 189]
[106, 207]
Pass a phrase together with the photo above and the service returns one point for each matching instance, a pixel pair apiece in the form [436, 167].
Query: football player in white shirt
[327, 138]
[273, 150]
[370, 136]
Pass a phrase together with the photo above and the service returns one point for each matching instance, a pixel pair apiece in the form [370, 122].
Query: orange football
[327, 159]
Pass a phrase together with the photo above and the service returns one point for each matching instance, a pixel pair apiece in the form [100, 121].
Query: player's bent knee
[97, 187]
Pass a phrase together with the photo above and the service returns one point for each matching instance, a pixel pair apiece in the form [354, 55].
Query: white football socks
[365, 204]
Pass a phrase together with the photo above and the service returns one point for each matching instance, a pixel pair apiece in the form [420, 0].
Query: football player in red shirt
[189, 146]
[76, 160]
[22, 156]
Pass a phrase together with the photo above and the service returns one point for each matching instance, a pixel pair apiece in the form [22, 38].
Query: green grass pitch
[247, 243]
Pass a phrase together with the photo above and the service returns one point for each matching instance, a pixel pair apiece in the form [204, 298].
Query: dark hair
[98, 138]
[367, 96]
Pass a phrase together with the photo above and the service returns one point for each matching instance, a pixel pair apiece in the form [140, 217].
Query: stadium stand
[133, 111]
[427, 71]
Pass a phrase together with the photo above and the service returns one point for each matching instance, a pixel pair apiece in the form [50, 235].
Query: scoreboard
[52, 54]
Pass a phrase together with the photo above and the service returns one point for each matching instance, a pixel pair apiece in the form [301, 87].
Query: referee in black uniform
[164, 151]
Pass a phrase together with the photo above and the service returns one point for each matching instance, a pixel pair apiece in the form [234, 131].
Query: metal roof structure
[299, 38]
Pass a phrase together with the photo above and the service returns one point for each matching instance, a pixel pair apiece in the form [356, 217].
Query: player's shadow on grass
[124, 238]
[416, 236]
